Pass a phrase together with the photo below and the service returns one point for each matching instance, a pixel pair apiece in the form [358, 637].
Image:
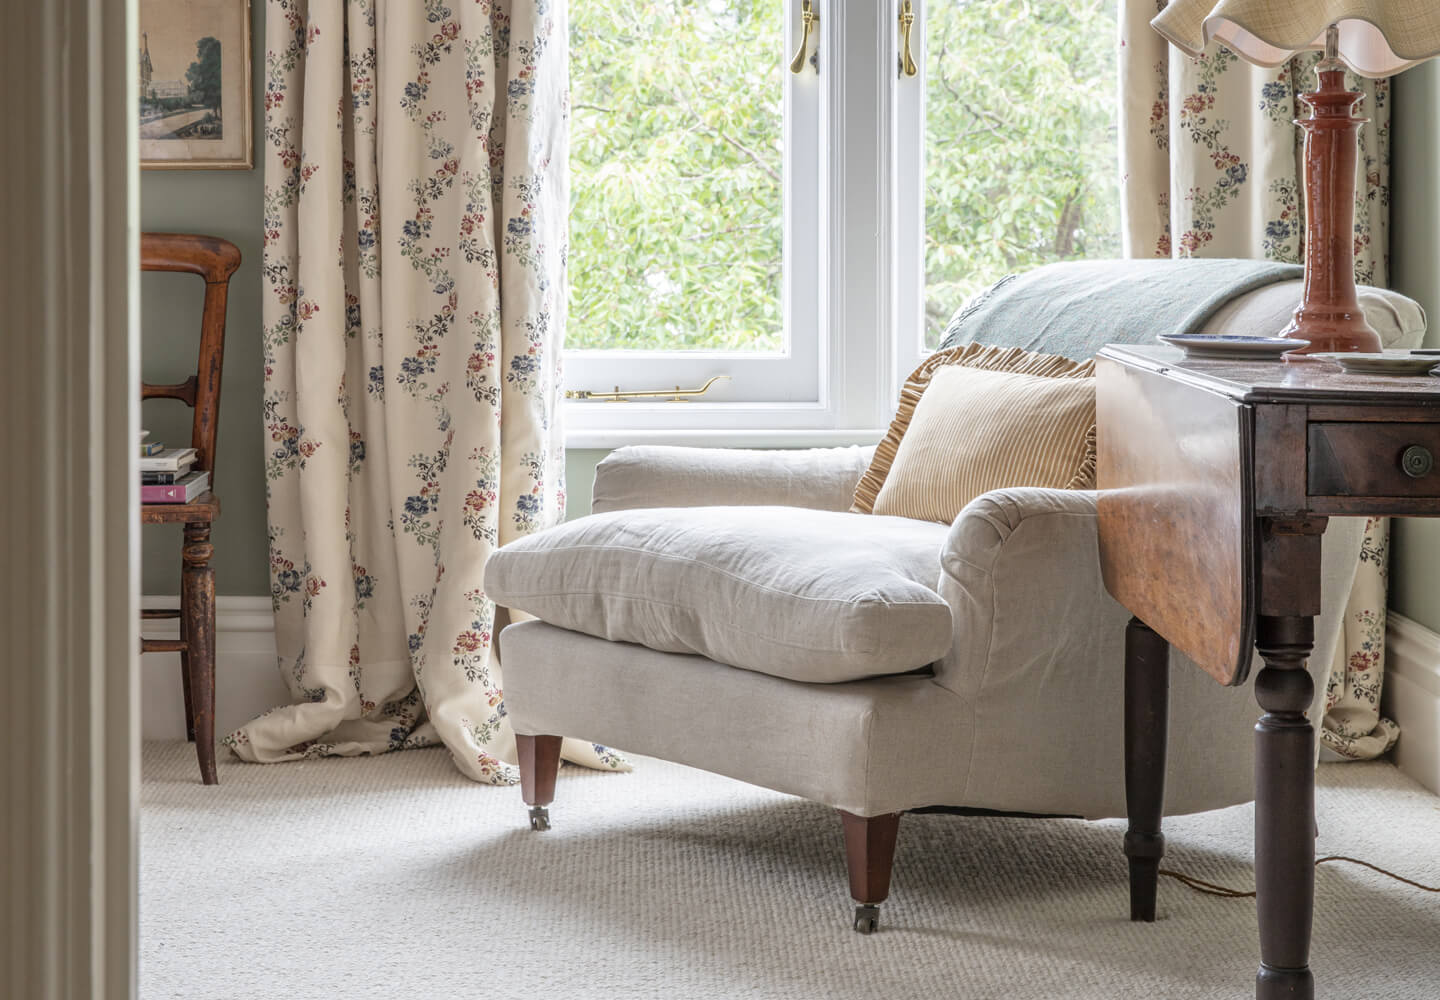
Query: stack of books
[165, 475]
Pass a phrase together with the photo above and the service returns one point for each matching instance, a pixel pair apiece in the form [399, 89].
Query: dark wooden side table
[1216, 479]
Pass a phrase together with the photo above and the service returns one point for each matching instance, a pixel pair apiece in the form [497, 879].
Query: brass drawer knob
[1417, 461]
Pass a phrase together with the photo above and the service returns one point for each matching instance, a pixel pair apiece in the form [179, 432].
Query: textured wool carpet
[394, 877]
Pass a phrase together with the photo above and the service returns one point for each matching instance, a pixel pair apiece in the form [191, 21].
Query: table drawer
[1365, 459]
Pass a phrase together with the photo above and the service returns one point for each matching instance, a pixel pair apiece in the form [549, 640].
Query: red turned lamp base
[1331, 331]
[1330, 317]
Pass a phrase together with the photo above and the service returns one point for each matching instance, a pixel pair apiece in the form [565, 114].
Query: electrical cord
[1211, 889]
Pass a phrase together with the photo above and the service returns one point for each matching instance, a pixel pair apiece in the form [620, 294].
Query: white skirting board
[1412, 697]
[247, 681]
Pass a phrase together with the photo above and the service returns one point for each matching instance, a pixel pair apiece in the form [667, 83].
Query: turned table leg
[1284, 808]
[1147, 709]
[198, 616]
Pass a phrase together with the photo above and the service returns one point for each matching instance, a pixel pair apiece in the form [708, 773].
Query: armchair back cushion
[975, 431]
[982, 437]
[815, 596]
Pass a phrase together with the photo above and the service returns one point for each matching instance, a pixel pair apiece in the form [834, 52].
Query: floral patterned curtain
[415, 218]
[1211, 167]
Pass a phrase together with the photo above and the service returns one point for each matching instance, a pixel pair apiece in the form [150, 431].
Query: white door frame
[69, 397]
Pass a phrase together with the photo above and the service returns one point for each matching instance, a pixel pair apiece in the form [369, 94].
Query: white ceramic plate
[1384, 364]
[1222, 347]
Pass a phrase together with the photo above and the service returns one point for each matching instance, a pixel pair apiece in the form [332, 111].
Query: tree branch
[710, 130]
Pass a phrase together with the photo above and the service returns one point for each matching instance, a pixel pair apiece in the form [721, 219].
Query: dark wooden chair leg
[198, 589]
[185, 664]
[1284, 808]
[539, 765]
[1147, 709]
[870, 856]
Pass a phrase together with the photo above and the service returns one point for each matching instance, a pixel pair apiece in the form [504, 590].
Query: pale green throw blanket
[1077, 307]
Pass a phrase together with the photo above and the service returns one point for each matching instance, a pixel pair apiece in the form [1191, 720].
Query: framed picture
[194, 65]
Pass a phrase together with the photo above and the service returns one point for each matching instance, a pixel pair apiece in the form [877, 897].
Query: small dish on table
[1224, 347]
[1402, 363]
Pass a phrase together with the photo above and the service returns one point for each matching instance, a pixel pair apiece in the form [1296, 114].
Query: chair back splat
[215, 260]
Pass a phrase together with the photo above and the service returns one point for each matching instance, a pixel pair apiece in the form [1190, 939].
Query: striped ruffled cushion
[973, 419]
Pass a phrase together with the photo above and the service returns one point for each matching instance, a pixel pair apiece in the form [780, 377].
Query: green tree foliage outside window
[1021, 166]
[677, 161]
[676, 174]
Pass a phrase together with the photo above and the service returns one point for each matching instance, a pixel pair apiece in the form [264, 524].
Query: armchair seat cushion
[813, 596]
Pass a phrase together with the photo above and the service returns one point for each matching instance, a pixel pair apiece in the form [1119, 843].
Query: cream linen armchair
[1016, 706]
[1023, 714]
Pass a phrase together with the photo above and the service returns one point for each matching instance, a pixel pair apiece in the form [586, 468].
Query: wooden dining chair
[215, 260]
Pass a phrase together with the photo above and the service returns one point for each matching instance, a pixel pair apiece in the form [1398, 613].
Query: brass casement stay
[675, 395]
[808, 22]
[907, 21]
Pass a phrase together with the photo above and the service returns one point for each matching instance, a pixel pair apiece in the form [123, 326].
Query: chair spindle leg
[198, 585]
[185, 663]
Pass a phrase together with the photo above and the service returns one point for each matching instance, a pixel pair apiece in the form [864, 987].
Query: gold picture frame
[196, 103]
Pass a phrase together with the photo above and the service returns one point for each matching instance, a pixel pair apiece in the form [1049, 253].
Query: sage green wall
[219, 203]
[1415, 266]
[580, 478]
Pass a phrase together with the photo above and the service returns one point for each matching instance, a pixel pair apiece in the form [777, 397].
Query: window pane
[676, 225]
[1020, 153]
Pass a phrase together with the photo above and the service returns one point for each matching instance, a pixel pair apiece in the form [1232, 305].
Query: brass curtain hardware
[808, 19]
[676, 395]
[907, 21]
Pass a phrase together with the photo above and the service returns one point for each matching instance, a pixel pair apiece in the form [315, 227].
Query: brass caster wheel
[539, 818]
[867, 919]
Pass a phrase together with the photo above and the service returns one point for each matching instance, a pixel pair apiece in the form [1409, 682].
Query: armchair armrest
[1021, 572]
[1039, 644]
[666, 476]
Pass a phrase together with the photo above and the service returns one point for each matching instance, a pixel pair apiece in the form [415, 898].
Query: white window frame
[792, 374]
[907, 112]
[865, 230]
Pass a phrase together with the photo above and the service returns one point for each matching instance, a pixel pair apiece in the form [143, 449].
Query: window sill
[720, 437]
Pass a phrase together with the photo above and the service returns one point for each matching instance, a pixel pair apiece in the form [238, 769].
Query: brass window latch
[676, 395]
[907, 21]
[808, 20]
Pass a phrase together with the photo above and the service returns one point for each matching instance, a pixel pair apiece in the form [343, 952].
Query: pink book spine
[174, 493]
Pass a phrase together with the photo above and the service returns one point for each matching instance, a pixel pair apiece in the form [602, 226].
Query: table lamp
[1374, 38]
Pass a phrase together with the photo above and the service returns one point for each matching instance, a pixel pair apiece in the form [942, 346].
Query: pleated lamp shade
[1377, 37]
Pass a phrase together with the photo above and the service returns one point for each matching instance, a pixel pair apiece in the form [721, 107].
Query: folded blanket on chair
[1077, 307]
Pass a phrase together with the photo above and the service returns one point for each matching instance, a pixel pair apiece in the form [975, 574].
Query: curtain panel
[1211, 166]
[414, 312]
